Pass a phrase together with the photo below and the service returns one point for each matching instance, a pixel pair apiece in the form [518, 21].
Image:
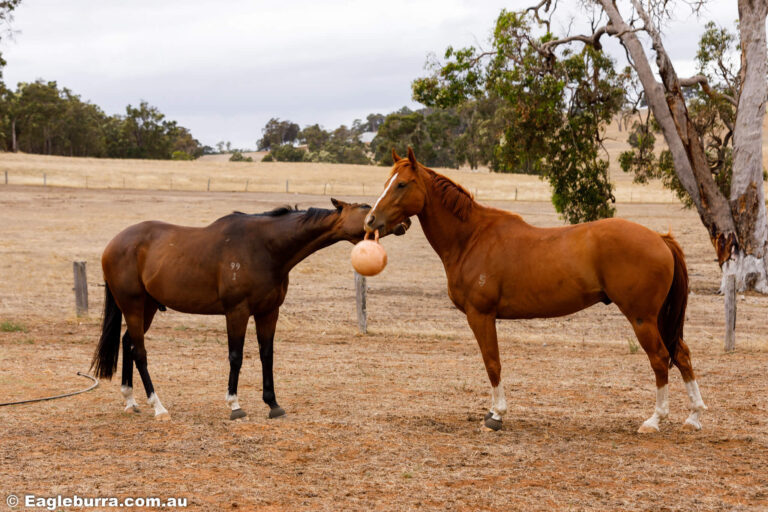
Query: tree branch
[704, 83]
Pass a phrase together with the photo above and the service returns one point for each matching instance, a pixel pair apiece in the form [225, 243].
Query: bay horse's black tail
[672, 315]
[104, 361]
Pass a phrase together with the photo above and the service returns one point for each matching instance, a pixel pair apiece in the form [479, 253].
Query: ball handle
[376, 239]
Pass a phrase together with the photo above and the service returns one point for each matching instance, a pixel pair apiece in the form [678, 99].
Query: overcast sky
[223, 68]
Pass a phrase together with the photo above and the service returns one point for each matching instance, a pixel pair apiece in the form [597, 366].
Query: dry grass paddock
[387, 421]
[305, 178]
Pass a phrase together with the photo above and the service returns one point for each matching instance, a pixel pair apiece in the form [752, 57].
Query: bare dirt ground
[387, 421]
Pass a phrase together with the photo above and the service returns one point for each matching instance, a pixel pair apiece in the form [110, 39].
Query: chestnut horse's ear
[411, 157]
[338, 204]
[395, 158]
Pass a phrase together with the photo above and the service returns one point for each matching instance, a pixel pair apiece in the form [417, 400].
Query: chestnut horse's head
[350, 221]
[404, 195]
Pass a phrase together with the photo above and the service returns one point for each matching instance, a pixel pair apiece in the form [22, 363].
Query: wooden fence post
[6, 177]
[361, 292]
[209, 185]
[286, 186]
[81, 288]
[246, 184]
[730, 313]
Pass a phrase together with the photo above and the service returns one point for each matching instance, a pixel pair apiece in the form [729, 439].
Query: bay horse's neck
[448, 229]
[307, 237]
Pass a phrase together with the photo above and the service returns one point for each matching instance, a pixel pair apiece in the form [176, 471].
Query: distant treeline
[468, 135]
[40, 117]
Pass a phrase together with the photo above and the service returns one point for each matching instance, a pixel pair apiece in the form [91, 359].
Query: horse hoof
[647, 429]
[237, 414]
[276, 412]
[691, 426]
[163, 417]
[488, 415]
[491, 423]
[131, 409]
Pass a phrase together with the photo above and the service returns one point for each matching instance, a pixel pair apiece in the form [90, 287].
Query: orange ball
[369, 257]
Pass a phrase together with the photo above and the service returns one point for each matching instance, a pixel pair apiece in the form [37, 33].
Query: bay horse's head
[350, 221]
[404, 195]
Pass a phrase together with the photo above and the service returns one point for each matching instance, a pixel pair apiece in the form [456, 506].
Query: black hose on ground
[95, 383]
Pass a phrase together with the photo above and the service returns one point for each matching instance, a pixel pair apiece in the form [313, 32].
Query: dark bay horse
[237, 267]
[498, 266]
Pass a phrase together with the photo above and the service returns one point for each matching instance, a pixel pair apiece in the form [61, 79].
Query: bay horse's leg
[126, 387]
[649, 337]
[683, 363]
[265, 331]
[135, 322]
[127, 381]
[237, 323]
[484, 328]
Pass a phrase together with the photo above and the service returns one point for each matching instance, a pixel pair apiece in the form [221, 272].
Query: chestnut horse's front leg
[483, 325]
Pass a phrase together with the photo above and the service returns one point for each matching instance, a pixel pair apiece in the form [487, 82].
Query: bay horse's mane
[453, 196]
[311, 214]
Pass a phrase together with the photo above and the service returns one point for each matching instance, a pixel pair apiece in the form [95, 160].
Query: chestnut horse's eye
[402, 184]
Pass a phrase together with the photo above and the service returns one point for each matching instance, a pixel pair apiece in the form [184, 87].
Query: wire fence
[484, 187]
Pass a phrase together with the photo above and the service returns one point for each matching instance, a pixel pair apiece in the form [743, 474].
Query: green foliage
[712, 114]
[342, 146]
[237, 156]
[11, 326]
[180, 155]
[314, 137]
[277, 133]
[268, 158]
[549, 110]
[431, 134]
[47, 119]
[287, 153]
[645, 165]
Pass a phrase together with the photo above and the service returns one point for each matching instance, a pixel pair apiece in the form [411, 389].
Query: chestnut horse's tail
[104, 361]
[672, 315]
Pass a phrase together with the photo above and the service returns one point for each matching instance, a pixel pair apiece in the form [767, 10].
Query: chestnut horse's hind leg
[484, 328]
[265, 331]
[683, 363]
[650, 339]
[237, 323]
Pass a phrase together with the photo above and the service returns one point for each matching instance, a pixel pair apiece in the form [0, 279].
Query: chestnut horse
[237, 267]
[498, 266]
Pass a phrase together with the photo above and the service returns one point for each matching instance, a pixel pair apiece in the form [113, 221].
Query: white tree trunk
[748, 261]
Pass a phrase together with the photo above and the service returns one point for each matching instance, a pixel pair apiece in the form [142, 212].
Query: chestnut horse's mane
[453, 196]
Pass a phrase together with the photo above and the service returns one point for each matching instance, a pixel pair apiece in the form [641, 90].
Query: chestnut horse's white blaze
[500, 267]
[386, 189]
